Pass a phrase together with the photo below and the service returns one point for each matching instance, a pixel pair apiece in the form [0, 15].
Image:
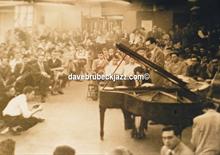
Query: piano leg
[102, 119]
[142, 128]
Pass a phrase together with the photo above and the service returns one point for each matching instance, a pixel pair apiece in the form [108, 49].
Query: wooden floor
[73, 120]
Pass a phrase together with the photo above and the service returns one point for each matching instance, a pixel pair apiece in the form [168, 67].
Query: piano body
[168, 106]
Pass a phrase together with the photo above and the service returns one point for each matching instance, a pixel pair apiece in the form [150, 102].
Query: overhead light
[121, 2]
[195, 8]
[192, 0]
[126, 2]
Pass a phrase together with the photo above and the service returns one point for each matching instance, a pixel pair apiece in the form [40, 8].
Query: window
[23, 16]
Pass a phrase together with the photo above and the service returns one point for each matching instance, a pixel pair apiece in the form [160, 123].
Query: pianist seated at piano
[139, 70]
[175, 105]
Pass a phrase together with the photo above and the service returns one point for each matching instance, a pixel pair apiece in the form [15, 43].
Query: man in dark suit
[5, 71]
[41, 74]
[22, 73]
[58, 77]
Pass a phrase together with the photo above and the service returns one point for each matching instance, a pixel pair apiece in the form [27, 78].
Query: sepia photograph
[109, 77]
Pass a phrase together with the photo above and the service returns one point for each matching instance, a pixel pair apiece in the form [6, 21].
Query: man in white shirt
[17, 113]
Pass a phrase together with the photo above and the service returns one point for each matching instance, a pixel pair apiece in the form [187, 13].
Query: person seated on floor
[7, 147]
[121, 150]
[172, 143]
[64, 150]
[5, 97]
[17, 116]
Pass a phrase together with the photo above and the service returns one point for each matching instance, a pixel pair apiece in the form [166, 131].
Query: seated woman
[17, 115]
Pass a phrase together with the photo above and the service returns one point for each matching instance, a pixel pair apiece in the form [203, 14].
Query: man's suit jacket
[206, 133]
[36, 71]
[180, 149]
[157, 57]
[18, 69]
[5, 72]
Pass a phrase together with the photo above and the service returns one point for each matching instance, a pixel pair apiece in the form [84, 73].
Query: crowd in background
[44, 59]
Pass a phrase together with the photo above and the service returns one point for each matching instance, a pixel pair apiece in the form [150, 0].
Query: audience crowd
[44, 59]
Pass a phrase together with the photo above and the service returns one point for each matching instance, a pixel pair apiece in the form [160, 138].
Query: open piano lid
[167, 75]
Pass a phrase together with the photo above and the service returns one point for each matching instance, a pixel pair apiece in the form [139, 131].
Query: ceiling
[166, 3]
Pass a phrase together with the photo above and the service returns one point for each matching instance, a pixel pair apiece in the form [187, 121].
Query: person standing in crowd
[172, 143]
[64, 150]
[206, 131]
[157, 57]
[17, 115]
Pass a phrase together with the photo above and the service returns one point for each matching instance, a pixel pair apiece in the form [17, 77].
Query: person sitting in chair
[17, 115]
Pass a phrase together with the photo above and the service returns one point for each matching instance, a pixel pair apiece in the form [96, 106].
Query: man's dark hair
[172, 128]
[28, 89]
[7, 147]
[100, 52]
[7, 88]
[208, 105]
[152, 40]
[115, 57]
[139, 69]
[64, 150]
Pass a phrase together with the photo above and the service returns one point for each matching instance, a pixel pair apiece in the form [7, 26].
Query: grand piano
[176, 105]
